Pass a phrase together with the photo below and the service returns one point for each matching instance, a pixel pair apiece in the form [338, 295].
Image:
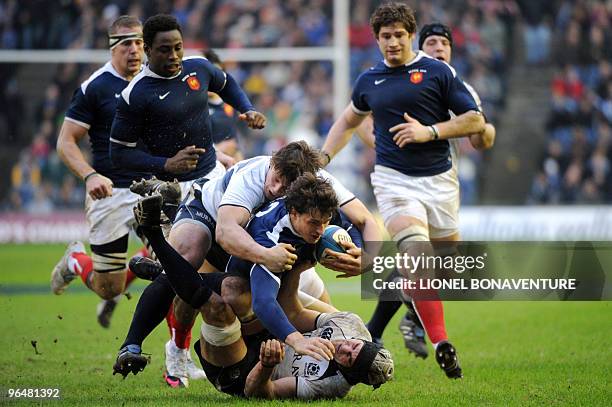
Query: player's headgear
[435, 29]
[116, 39]
[373, 365]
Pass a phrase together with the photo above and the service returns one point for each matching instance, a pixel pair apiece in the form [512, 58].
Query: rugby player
[108, 200]
[436, 40]
[317, 367]
[409, 95]
[165, 108]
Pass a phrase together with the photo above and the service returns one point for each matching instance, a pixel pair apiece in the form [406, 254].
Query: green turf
[512, 353]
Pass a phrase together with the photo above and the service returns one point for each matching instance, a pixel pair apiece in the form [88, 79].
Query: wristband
[91, 174]
[266, 366]
[433, 130]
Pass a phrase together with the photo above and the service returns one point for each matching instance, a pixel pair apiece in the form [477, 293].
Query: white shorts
[218, 171]
[433, 200]
[112, 217]
[311, 283]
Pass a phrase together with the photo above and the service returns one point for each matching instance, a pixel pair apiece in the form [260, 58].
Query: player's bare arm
[303, 319]
[351, 262]
[97, 186]
[259, 383]
[340, 133]
[235, 240]
[254, 119]
[412, 131]
[225, 159]
[366, 132]
[186, 160]
[484, 140]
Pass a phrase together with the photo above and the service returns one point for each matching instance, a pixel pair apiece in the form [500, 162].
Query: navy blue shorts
[192, 210]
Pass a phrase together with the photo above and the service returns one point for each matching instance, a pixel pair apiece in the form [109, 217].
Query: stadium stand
[492, 39]
[575, 164]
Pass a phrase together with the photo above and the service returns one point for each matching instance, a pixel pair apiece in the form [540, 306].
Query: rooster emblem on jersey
[416, 77]
[193, 83]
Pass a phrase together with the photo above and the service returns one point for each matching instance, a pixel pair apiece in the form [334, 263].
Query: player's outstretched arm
[96, 185]
[340, 133]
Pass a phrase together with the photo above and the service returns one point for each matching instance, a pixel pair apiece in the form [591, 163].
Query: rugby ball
[330, 240]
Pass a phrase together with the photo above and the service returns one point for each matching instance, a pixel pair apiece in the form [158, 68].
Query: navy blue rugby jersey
[223, 120]
[93, 106]
[269, 227]
[426, 89]
[169, 114]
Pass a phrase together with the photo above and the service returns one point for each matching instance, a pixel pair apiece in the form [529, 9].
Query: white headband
[114, 40]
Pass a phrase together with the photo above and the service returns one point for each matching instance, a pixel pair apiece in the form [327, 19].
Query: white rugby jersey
[243, 185]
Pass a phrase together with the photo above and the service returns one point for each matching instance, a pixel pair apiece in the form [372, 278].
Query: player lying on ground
[225, 356]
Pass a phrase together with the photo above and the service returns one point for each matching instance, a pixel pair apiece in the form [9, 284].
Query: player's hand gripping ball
[331, 238]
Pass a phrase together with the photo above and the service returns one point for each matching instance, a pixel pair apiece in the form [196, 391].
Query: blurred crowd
[575, 166]
[295, 96]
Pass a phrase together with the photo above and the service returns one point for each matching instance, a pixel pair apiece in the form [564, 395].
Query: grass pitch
[512, 353]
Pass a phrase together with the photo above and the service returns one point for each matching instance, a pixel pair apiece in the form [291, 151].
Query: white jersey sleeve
[343, 194]
[334, 386]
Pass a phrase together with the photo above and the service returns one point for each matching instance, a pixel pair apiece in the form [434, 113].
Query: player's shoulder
[196, 62]
[100, 79]
[441, 67]
[272, 216]
[136, 85]
[260, 163]
[371, 72]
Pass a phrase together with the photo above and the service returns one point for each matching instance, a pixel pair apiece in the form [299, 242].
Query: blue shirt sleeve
[233, 94]
[458, 97]
[81, 108]
[264, 289]
[358, 97]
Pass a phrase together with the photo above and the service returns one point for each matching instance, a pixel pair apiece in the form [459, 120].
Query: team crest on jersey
[416, 77]
[229, 111]
[193, 83]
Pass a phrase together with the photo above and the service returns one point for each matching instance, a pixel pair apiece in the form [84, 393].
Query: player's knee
[233, 288]
[221, 336]
[217, 312]
[108, 286]
[184, 312]
[191, 242]
[236, 293]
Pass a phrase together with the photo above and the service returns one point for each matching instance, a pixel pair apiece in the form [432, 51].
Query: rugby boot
[446, 356]
[61, 275]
